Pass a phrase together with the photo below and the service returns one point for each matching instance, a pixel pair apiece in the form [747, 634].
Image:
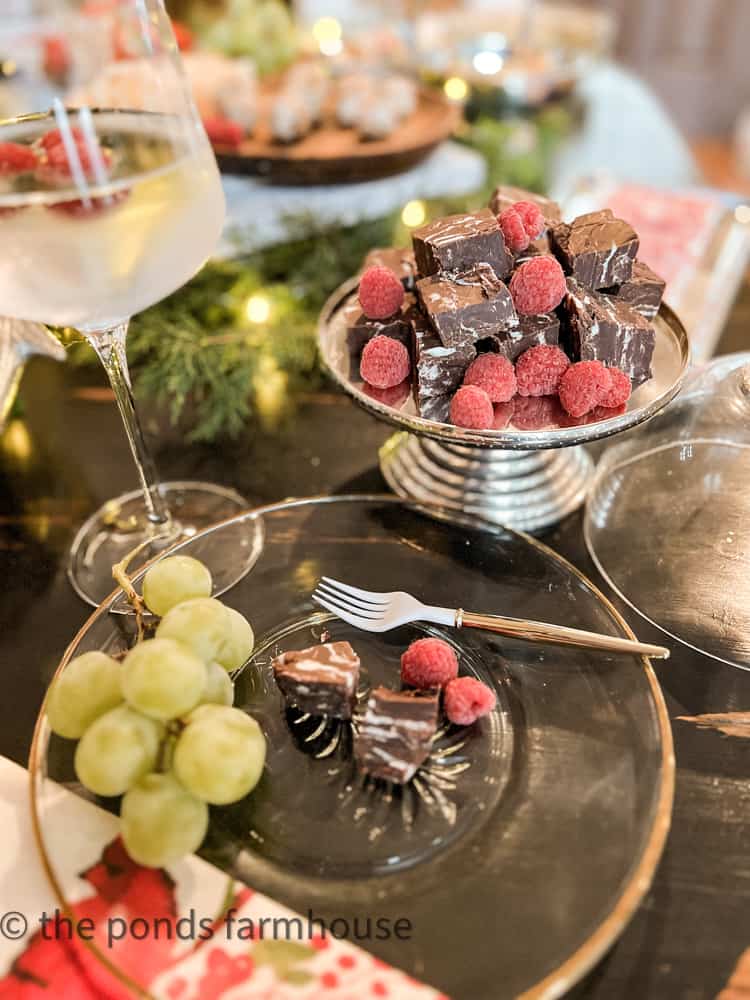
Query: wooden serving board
[334, 155]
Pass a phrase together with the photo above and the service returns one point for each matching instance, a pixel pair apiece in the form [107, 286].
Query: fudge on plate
[438, 370]
[321, 680]
[467, 307]
[596, 249]
[457, 243]
[643, 291]
[598, 327]
[394, 734]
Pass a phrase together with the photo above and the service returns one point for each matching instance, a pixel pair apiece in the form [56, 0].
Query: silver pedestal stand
[525, 479]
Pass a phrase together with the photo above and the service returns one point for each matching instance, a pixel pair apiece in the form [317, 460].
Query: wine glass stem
[110, 347]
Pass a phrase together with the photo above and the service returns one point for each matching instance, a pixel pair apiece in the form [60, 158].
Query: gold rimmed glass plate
[526, 841]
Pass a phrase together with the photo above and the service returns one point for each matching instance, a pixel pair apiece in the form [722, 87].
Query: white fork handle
[559, 635]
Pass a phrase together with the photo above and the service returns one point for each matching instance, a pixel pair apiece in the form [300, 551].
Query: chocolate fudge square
[456, 243]
[599, 327]
[643, 291]
[360, 329]
[597, 249]
[321, 680]
[394, 734]
[530, 332]
[438, 370]
[467, 307]
[399, 260]
[506, 195]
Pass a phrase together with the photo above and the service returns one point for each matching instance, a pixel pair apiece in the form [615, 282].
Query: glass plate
[524, 844]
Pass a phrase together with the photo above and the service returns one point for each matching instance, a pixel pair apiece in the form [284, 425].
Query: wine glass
[110, 199]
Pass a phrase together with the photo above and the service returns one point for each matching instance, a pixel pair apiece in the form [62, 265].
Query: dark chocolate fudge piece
[643, 291]
[599, 327]
[360, 329]
[456, 243]
[465, 308]
[530, 332]
[506, 195]
[438, 370]
[399, 260]
[597, 249]
[394, 735]
[321, 680]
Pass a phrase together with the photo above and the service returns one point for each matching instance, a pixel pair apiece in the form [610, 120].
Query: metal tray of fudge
[457, 305]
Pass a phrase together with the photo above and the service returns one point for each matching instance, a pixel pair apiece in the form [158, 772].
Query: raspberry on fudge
[537, 285]
[472, 408]
[381, 293]
[619, 391]
[583, 386]
[539, 370]
[495, 374]
[514, 231]
[385, 362]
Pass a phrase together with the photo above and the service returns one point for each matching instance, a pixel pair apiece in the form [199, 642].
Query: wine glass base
[524, 490]
[120, 525]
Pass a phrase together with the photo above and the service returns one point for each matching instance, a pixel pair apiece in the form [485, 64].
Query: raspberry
[429, 663]
[466, 699]
[471, 407]
[224, 132]
[582, 387]
[539, 370]
[385, 362]
[495, 374]
[393, 396]
[54, 138]
[514, 231]
[619, 391]
[537, 285]
[15, 158]
[531, 217]
[58, 166]
[534, 413]
[81, 208]
[381, 294]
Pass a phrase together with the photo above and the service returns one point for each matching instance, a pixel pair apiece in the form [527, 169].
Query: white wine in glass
[104, 211]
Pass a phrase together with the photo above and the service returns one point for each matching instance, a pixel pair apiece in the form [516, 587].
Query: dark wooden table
[69, 454]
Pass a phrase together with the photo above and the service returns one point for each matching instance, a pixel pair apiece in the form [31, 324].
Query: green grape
[174, 580]
[161, 822]
[117, 750]
[220, 754]
[87, 688]
[239, 641]
[219, 688]
[163, 679]
[202, 624]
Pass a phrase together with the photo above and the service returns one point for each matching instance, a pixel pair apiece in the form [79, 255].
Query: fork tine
[367, 595]
[357, 602]
[370, 614]
[351, 619]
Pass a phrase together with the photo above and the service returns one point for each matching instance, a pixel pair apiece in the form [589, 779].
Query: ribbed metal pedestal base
[526, 490]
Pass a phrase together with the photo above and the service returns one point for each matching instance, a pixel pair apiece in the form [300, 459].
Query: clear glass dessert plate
[526, 841]
[555, 428]
[668, 514]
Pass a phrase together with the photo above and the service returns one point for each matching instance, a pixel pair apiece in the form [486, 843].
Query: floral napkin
[189, 933]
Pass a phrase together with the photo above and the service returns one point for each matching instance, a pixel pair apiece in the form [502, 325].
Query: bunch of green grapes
[158, 727]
